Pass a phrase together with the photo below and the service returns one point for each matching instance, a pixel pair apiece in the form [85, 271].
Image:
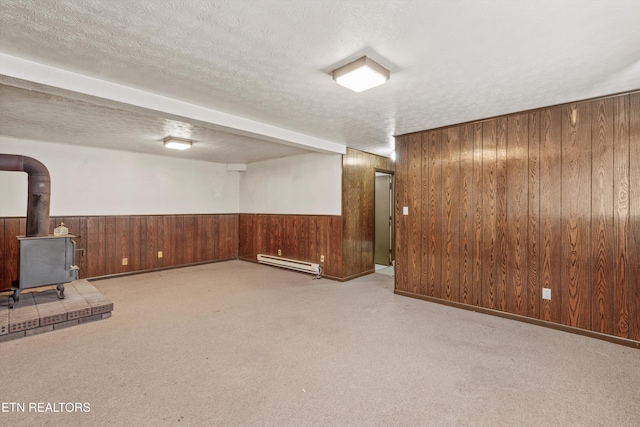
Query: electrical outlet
[159, 254]
[125, 261]
[279, 252]
[546, 293]
[321, 258]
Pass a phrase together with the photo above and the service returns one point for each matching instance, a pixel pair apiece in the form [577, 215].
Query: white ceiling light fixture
[361, 74]
[177, 143]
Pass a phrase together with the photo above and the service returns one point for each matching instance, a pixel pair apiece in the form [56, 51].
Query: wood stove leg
[60, 290]
[14, 298]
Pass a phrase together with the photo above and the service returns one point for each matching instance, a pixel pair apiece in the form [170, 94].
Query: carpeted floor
[236, 343]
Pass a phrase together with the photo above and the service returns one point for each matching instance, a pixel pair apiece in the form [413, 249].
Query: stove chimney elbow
[39, 191]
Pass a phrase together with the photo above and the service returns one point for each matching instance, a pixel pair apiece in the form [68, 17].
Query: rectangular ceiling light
[177, 143]
[361, 74]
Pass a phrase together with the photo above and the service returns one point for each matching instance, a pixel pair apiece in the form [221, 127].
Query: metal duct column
[39, 191]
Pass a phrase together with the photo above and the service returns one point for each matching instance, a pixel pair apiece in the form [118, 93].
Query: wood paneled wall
[346, 241]
[106, 240]
[501, 208]
[358, 210]
[300, 237]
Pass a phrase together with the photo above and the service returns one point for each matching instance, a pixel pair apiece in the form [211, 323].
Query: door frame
[392, 211]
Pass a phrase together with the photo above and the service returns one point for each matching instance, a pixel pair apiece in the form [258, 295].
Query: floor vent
[292, 264]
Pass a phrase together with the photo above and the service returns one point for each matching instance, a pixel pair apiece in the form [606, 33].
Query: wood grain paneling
[434, 264]
[136, 228]
[576, 215]
[122, 242]
[265, 234]
[533, 236]
[467, 214]
[621, 217]
[189, 225]
[478, 199]
[516, 225]
[549, 198]
[634, 217]
[12, 228]
[246, 247]
[198, 247]
[414, 182]
[112, 260]
[424, 215]
[550, 212]
[489, 234]
[96, 247]
[602, 233]
[358, 198]
[501, 214]
[178, 240]
[401, 223]
[103, 242]
[450, 213]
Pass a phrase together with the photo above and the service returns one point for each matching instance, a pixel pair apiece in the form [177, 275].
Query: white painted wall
[94, 181]
[304, 184]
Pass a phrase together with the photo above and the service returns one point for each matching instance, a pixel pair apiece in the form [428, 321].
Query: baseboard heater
[292, 264]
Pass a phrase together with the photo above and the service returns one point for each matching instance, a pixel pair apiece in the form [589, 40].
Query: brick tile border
[37, 314]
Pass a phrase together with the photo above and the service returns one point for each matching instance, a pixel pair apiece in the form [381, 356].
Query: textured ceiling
[40, 116]
[270, 60]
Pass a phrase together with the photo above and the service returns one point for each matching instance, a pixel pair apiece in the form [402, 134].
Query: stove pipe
[39, 191]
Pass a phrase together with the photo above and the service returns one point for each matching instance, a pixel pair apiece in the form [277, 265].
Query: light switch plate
[546, 293]
[405, 210]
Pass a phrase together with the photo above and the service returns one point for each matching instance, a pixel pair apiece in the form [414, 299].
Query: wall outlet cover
[546, 293]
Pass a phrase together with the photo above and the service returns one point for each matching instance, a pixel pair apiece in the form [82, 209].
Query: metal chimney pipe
[39, 191]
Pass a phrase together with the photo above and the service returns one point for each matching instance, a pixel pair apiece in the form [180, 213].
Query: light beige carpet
[237, 343]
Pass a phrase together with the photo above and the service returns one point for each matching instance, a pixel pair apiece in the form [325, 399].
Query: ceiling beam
[19, 68]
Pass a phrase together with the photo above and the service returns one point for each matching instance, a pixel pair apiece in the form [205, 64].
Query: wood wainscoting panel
[358, 208]
[434, 263]
[424, 215]
[547, 199]
[96, 248]
[450, 214]
[550, 213]
[533, 237]
[414, 183]
[102, 242]
[9, 263]
[477, 193]
[621, 217]
[576, 215]
[299, 237]
[401, 235]
[467, 214]
[516, 224]
[634, 216]
[602, 209]
[136, 241]
[489, 233]
[500, 302]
